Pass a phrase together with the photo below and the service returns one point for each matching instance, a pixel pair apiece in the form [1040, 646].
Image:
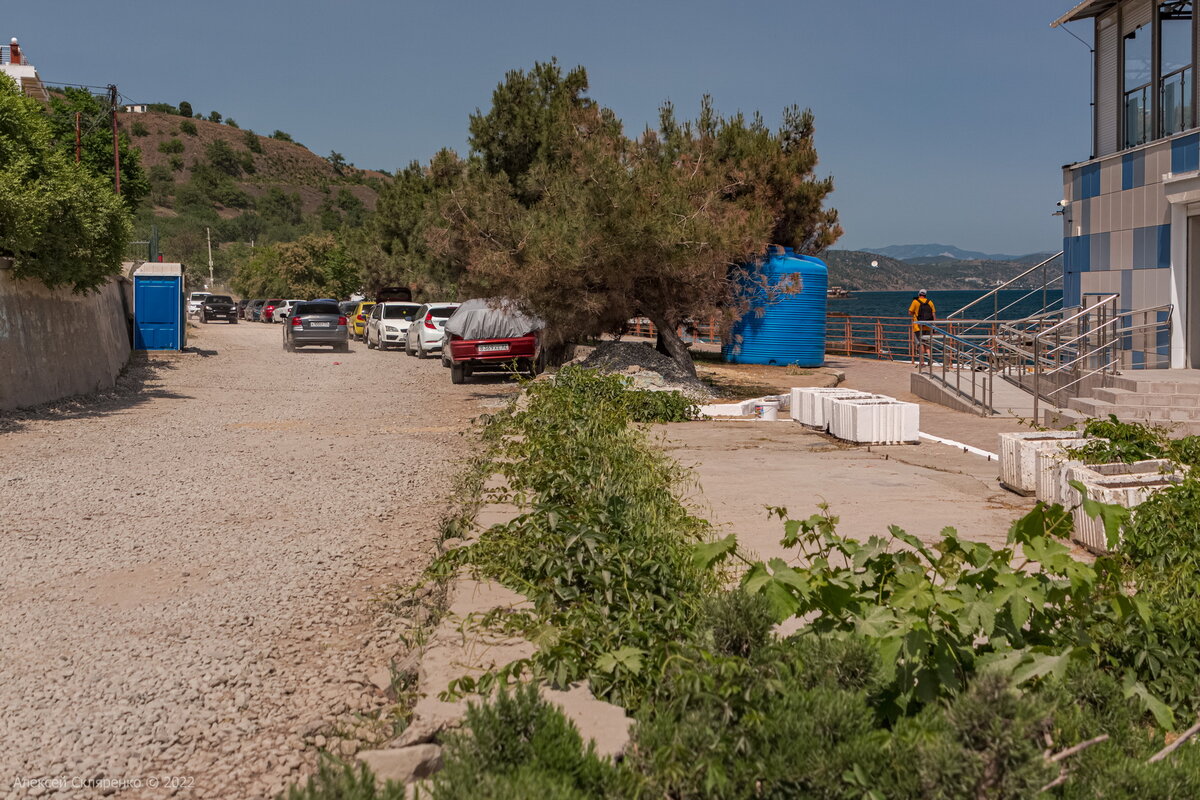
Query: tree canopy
[586, 227]
[59, 221]
[96, 141]
[312, 266]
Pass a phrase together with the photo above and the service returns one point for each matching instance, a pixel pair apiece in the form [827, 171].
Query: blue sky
[939, 121]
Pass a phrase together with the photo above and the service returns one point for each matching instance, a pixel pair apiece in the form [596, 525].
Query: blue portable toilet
[159, 307]
[789, 328]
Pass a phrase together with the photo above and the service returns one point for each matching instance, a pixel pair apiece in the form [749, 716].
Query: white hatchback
[424, 335]
[283, 310]
[388, 323]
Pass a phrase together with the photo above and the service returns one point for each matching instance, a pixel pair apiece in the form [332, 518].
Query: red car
[268, 311]
[482, 337]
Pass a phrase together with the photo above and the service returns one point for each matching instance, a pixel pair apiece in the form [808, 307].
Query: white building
[15, 64]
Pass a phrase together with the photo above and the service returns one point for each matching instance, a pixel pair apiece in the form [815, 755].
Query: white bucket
[767, 409]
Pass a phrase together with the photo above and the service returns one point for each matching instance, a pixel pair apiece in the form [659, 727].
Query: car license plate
[491, 348]
[319, 324]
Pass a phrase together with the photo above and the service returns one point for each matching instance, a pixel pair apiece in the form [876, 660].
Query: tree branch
[1173, 746]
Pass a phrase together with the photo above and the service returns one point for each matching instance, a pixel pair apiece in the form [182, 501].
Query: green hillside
[244, 188]
[852, 269]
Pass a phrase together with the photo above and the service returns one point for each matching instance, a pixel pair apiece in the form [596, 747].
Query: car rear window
[304, 309]
[442, 312]
[400, 312]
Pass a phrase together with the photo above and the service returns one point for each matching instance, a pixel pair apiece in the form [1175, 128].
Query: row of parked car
[489, 335]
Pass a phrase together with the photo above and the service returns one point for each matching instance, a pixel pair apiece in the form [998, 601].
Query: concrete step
[1144, 385]
[1122, 396]
[1092, 406]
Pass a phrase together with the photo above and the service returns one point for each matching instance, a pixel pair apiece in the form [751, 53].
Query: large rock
[403, 764]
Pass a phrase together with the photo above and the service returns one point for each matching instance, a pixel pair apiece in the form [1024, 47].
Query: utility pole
[208, 236]
[112, 96]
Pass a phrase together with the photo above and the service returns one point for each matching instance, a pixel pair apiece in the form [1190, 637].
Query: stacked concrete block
[874, 420]
[1052, 466]
[808, 409]
[1125, 485]
[1018, 456]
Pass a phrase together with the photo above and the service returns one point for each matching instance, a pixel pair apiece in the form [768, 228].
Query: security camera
[1063, 203]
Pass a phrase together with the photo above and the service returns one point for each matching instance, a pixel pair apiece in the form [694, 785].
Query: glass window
[1175, 56]
[400, 311]
[1137, 70]
[305, 309]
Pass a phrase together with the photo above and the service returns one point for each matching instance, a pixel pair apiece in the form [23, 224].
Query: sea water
[1014, 303]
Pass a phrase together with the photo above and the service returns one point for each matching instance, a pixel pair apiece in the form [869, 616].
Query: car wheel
[204, 319]
[421, 351]
[408, 348]
[381, 344]
[367, 339]
[287, 346]
[233, 322]
[344, 347]
[458, 373]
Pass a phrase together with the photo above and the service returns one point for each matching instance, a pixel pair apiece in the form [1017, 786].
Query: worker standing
[922, 310]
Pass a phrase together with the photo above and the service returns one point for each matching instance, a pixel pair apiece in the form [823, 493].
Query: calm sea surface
[895, 304]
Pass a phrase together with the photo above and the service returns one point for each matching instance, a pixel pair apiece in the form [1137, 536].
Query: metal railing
[962, 362]
[1048, 281]
[1055, 355]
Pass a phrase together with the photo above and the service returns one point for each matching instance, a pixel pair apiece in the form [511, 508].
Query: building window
[1175, 57]
[1136, 55]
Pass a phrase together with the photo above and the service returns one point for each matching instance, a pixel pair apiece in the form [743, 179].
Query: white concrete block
[1018, 456]
[1120, 485]
[807, 407]
[874, 420]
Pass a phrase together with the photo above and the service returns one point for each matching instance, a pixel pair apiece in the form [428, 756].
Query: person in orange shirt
[922, 310]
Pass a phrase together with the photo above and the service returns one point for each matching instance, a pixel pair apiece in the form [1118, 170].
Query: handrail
[1083, 311]
[1004, 285]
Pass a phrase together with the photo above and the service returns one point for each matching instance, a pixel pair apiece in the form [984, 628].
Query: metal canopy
[1083, 10]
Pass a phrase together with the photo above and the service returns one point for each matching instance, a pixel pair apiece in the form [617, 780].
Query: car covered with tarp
[491, 334]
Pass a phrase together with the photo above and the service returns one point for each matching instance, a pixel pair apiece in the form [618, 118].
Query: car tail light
[295, 322]
[341, 320]
[429, 322]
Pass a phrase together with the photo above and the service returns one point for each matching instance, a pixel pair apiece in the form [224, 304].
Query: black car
[315, 322]
[219, 306]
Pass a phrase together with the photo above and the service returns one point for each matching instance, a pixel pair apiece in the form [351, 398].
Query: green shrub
[170, 146]
[188, 127]
[231, 122]
[517, 747]
[1126, 442]
[343, 782]
[252, 141]
[738, 623]
[281, 136]
[138, 128]
[175, 162]
[604, 546]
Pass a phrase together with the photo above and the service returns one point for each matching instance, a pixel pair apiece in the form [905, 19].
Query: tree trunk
[670, 343]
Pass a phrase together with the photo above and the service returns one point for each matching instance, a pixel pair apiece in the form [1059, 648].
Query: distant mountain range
[865, 270]
[925, 252]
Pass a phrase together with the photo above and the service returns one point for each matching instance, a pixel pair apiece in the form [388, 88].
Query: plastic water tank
[790, 329]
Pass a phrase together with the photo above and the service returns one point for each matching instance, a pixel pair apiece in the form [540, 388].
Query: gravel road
[196, 566]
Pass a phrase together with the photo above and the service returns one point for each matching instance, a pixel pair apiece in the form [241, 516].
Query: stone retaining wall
[55, 344]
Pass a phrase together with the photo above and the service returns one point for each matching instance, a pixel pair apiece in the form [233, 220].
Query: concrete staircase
[1168, 397]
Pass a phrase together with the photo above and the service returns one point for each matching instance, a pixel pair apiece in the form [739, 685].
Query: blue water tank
[790, 329]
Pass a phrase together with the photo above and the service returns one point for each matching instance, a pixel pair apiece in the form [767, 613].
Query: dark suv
[219, 306]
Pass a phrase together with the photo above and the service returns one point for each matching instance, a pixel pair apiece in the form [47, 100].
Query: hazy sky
[939, 121]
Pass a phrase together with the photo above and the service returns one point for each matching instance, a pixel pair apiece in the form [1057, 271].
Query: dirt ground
[199, 565]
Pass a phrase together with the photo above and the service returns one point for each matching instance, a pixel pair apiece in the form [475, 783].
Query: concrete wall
[55, 344]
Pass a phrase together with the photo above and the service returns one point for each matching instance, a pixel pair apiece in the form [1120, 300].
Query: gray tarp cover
[491, 319]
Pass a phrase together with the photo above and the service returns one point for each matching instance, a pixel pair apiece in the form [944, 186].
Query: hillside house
[15, 64]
